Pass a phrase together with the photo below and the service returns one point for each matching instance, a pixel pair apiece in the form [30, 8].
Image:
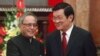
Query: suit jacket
[21, 46]
[80, 44]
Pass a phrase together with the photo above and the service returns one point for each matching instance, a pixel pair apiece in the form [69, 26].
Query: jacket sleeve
[48, 52]
[12, 49]
[90, 49]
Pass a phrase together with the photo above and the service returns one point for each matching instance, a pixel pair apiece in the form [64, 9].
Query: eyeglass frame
[30, 24]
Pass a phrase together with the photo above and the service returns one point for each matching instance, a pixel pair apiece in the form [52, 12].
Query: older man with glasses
[24, 44]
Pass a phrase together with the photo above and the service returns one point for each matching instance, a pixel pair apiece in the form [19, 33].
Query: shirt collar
[68, 32]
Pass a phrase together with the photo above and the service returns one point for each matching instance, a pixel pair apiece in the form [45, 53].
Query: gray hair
[21, 19]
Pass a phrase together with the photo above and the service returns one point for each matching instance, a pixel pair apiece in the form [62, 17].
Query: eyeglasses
[58, 18]
[30, 24]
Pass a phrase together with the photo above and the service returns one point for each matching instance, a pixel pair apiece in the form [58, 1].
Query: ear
[70, 17]
[36, 32]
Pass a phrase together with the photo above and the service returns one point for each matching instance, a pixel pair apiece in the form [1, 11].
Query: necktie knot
[63, 33]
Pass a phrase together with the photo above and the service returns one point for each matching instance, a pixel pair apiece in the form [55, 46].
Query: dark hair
[68, 10]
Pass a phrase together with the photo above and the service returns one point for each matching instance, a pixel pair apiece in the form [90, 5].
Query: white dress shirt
[68, 33]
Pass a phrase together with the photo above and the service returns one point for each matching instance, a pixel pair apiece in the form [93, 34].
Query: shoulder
[55, 32]
[80, 31]
[15, 39]
[53, 35]
[81, 34]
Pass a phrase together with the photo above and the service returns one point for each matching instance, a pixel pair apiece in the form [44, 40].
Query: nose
[31, 27]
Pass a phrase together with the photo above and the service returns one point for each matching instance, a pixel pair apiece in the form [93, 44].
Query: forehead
[30, 19]
[59, 12]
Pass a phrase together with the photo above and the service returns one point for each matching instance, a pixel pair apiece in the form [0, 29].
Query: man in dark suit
[25, 44]
[75, 41]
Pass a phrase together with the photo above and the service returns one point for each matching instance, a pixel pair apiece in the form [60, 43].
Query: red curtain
[52, 3]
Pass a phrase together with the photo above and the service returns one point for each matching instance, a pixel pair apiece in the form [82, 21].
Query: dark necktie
[64, 44]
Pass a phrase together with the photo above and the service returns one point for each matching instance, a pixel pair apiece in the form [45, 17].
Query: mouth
[58, 25]
[30, 32]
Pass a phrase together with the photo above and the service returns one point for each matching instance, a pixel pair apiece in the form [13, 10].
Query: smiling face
[29, 26]
[61, 21]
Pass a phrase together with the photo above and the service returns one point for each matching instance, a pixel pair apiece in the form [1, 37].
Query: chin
[30, 35]
[59, 28]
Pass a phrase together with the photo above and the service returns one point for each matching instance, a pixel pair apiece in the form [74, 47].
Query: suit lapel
[58, 42]
[72, 38]
[70, 43]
